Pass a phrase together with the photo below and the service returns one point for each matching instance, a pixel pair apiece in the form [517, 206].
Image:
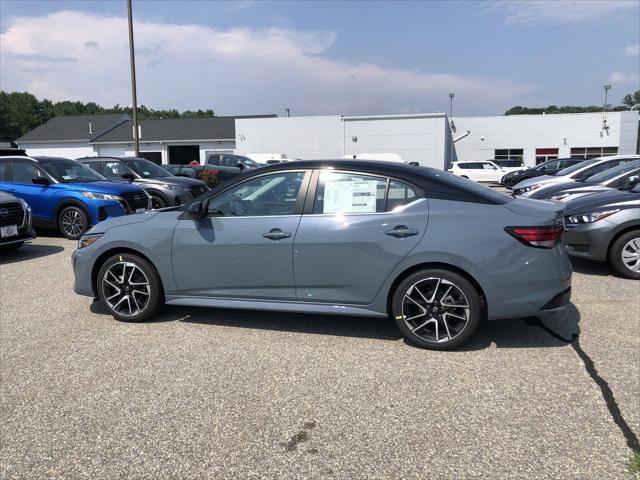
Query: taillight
[539, 237]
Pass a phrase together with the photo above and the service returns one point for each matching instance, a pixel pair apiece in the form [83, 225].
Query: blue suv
[68, 195]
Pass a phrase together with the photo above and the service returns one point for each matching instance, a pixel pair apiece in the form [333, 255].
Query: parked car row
[72, 196]
[602, 209]
[490, 171]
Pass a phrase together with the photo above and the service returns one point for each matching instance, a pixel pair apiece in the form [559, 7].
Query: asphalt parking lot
[238, 394]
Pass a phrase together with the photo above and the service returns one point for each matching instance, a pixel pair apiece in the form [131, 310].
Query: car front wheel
[157, 202]
[130, 288]
[436, 309]
[73, 222]
[624, 255]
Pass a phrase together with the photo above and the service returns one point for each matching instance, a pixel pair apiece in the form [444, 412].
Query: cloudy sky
[322, 57]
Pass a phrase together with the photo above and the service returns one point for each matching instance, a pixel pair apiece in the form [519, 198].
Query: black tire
[157, 202]
[409, 316]
[11, 247]
[111, 269]
[626, 243]
[73, 222]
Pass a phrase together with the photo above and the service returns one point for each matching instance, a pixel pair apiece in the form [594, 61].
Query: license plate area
[8, 231]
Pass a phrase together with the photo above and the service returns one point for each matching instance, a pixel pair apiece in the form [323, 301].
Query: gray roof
[81, 128]
[176, 129]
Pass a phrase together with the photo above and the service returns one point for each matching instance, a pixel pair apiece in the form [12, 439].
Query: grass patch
[634, 463]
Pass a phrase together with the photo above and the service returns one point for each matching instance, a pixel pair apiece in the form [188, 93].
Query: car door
[39, 197]
[357, 230]
[243, 247]
[490, 172]
[226, 165]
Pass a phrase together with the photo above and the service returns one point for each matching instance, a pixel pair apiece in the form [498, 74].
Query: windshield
[146, 168]
[614, 172]
[247, 161]
[71, 172]
[577, 166]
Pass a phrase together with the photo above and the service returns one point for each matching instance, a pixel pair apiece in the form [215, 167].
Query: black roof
[436, 183]
[212, 128]
[80, 128]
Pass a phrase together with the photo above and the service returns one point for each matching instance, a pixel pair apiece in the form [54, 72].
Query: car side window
[266, 195]
[113, 170]
[463, 165]
[474, 166]
[552, 166]
[399, 194]
[601, 168]
[4, 171]
[487, 166]
[229, 161]
[213, 160]
[349, 193]
[25, 172]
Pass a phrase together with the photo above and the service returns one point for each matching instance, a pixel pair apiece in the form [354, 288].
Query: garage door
[111, 151]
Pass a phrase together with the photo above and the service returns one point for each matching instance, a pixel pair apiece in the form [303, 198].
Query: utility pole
[605, 127]
[452, 126]
[134, 100]
[287, 111]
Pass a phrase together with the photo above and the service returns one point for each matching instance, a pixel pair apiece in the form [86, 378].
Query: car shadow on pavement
[28, 252]
[590, 267]
[511, 333]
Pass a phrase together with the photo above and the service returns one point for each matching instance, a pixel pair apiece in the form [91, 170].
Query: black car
[15, 222]
[606, 227]
[224, 165]
[165, 189]
[550, 167]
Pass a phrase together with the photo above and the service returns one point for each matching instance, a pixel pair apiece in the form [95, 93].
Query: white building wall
[66, 150]
[529, 132]
[297, 137]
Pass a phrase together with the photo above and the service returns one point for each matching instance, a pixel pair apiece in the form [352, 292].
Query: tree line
[21, 112]
[625, 104]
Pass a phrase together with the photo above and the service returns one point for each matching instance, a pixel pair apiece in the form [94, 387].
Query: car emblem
[4, 213]
[136, 198]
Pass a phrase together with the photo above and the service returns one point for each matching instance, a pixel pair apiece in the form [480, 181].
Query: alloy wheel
[631, 255]
[72, 223]
[126, 289]
[435, 310]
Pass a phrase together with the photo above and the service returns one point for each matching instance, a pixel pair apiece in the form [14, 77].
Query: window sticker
[352, 196]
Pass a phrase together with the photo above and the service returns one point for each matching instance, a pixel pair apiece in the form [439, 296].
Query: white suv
[484, 171]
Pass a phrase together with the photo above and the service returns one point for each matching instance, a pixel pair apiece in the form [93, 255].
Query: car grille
[11, 214]
[134, 201]
[198, 190]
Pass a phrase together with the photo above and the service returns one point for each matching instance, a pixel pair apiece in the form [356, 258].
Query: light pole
[451, 95]
[287, 111]
[605, 127]
[134, 100]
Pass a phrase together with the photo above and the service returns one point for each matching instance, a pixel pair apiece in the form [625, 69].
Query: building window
[509, 154]
[593, 152]
[546, 154]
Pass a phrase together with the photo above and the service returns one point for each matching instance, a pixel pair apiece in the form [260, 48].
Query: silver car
[575, 173]
[434, 252]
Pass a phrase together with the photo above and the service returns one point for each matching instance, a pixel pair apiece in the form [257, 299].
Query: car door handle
[276, 234]
[401, 232]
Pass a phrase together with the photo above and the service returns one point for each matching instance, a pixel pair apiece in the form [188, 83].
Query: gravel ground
[236, 394]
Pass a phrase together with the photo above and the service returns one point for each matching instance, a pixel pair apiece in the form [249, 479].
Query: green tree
[631, 99]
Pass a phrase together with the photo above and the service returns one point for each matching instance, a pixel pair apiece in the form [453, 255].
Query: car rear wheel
[624, 254]
[73, 222]
[436, 309]
[130, 288]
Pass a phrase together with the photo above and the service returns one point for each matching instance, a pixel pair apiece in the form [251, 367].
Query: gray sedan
[434, 252]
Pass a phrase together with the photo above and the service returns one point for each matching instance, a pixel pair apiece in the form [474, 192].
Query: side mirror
[241, 165]
[128, 176]
[631, 182]
[195, 210]
[40, 181]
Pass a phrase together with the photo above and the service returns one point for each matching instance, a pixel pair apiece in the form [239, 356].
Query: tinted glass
[228, 161]
[262, 196]
[614, 172]
[213, 159]
[4, 171]
[347, 193]
[247, 161]
[550, 166]
[470, 186]
[25, 172]
[70, 172]
[146, 169]
[577, 166]
[399, 194]
[606, 166]
[115, 169]
[488, 166]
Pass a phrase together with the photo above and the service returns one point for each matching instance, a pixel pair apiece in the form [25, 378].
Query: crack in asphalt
[610, 400]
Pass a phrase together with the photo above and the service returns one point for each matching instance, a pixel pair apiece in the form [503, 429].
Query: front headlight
[528, 188]
[590, 217]
[100, 196]
[87, 240]
[174, 187]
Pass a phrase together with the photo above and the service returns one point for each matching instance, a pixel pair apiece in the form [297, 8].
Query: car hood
[113, 188]
[7, 197]
[159, 181]
[609, 198]
[186, 181]
[535, 208]
[121, 221]
[539, 180]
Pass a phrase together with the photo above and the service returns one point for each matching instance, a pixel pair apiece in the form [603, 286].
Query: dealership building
[431, 139]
